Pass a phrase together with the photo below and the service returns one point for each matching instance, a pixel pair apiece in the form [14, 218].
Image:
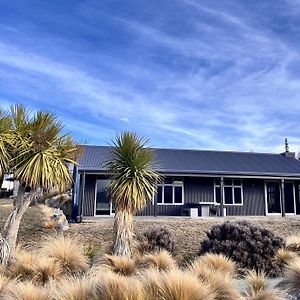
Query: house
[212, 182]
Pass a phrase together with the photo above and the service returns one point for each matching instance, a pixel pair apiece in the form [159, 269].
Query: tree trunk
[11, 228]
[123, 230]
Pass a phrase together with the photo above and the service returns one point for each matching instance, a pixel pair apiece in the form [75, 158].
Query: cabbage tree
[133, 184]
[38, 156]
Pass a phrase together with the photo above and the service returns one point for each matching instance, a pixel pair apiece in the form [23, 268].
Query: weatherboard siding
[253, 202]
[196, 190]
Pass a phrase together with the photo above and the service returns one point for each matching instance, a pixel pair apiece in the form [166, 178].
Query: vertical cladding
[89, 198]
[254, 200]
[198, 189]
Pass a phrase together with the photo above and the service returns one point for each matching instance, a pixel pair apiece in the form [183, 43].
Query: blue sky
[188, 74]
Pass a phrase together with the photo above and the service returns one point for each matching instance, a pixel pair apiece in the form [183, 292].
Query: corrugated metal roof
[178, 161]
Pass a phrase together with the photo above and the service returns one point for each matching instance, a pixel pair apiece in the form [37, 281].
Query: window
[233, 192]
[170, 193]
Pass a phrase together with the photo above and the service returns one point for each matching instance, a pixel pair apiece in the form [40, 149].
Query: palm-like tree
[39, 160]
[133, 184]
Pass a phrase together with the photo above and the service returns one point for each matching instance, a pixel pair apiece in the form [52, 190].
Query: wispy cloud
[199, 75]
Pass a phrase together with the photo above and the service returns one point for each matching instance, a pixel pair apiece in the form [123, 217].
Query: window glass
[217, 181]
[178, 194]
[237, 195]
[159, 194]
[228, 195]
[168, 194]
[218, 195]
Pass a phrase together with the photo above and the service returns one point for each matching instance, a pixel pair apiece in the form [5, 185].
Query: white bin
[194, 212]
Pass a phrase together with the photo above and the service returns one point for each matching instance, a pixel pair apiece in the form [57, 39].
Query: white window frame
[173, 185]
[233, 186]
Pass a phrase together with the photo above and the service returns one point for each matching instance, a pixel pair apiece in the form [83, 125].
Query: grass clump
[119, 264]
[67, 251]
[161, 260]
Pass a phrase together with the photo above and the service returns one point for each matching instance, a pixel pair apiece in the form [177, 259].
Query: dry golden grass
[293, 243]
[219, 263]
[23, 264]
[174, 285]
[46, 269]
[118, 264]
[27, 291]
[292, 275]
[112, 286]
[161, 260]
[258, 288]
[75, 288]
[50, 224]
[257, 282]
[219, 283]
[283, 257]
[5, 284]
[67, 251]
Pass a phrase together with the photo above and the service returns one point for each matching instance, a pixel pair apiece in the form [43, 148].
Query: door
[289, 198]
[297, 200]
[273, 205]
[103, 205]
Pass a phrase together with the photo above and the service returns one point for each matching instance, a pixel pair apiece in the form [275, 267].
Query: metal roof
[177, 161]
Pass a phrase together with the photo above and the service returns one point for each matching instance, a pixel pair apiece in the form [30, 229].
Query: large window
[170, 193]
[233, 192]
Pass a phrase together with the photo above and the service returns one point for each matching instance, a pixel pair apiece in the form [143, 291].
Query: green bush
[156, 239]
[250, 246]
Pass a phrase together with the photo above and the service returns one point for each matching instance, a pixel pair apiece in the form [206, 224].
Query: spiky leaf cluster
[37, 152]
[133, 175]
[249, 245]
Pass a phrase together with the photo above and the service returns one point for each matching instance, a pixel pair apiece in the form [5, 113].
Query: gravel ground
[189, 232]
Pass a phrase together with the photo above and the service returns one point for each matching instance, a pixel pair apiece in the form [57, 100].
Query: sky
[194, 74]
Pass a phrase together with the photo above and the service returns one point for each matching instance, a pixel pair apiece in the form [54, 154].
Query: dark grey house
[210, 182]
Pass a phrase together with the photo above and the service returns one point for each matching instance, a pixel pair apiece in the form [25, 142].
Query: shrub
[249, 245]
[156, 239]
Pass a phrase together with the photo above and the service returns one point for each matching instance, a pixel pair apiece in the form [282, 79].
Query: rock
[61, 219]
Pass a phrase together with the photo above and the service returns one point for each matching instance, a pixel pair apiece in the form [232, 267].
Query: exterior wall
[197, 190]
[253, 202]
[89, 196]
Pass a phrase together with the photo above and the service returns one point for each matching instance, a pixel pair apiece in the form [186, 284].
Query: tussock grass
[112, 286]
[118, 264]
[161, 260]
[221, 284]
[23, 265]
[45, 269]
[292, 275]
[50, 224]
[75, 288]
[174, 284]
[27, 291]
[219, 262]
[67, 251]
[293, 243]
[5, 284]
[258, 288]
[283, 257]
